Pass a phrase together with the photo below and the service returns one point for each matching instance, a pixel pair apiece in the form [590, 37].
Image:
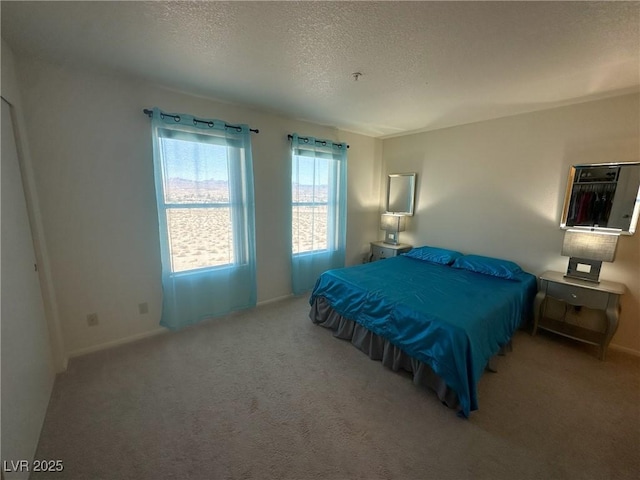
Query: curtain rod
[149, 113]
[323, 142]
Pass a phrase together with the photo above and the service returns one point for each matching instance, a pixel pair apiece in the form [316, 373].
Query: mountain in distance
[186, 189]
[186, 184]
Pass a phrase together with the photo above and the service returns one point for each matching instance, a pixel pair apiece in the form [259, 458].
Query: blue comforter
[453, 320]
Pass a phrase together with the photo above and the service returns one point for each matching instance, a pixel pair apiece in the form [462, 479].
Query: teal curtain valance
[204, 124]
[314, 143]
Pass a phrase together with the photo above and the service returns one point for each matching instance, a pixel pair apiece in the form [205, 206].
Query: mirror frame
[567, 200]
[410, 194]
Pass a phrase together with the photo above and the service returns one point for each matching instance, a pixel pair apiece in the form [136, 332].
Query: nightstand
[604, 296]
[381, 250]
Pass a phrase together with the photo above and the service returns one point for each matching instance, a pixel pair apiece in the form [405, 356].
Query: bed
[434, 312]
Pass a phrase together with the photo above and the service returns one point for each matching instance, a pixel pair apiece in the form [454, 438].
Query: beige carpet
[265, 394]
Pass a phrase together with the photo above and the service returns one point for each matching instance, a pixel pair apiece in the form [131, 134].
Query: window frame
[234, 173]
[333, 189]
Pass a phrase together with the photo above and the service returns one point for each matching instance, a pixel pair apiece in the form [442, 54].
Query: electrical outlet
[143, 308]
[92, 319]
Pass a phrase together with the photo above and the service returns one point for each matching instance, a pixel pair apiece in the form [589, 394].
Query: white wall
[91, 150]
[28, 368]
[496, 188]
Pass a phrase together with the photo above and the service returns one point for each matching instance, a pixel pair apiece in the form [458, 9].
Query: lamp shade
[392, 223]
[590, 245]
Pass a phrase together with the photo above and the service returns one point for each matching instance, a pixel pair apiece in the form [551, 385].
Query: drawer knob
[574, 295]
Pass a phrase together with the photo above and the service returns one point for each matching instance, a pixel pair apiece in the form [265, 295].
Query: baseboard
[273, 300]
[115, 343]
[628, 350]
[151, 333]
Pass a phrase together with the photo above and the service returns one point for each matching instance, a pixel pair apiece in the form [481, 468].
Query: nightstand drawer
[379, 252]
[578, 296]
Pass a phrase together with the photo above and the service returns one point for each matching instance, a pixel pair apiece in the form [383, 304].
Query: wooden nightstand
[381, 250]
[603, 296]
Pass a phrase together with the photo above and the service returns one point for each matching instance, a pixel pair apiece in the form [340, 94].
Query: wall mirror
[401, 192]
[603, 197]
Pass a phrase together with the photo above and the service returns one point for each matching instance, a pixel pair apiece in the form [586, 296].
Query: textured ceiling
[424, 65]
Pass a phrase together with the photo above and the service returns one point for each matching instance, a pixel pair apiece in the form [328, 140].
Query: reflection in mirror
[603, 197]
[401, 190]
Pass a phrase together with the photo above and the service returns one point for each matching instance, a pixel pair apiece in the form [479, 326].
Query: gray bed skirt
[381, 349]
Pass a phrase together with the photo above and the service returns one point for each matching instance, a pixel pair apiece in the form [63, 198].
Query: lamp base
[391, 237]
[584, 269]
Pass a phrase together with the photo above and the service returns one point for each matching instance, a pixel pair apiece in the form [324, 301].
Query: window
[197, 203]
[204, 190]
[318, 209]
[310, 202]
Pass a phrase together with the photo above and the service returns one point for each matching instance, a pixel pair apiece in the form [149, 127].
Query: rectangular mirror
[401, 191]
[603, 197]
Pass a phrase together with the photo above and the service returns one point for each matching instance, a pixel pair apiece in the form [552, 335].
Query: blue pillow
[489, 266]
[433, 254]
